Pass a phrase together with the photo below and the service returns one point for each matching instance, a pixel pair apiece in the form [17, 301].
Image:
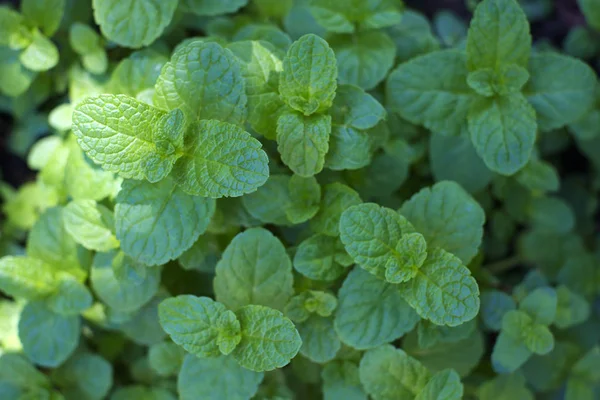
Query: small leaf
[90, 224]
[27, 277]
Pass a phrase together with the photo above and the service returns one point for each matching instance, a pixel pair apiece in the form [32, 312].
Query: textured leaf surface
[308, 81]
[320, 342]
[90, 224]
[443, 290]
[432, 91]
[269, 340]
[221, 159]
[215, 379]
[27, 277]
[48, 339]
[448, 217]
[158, 222]
[503, 131]
[133, 23]
[303, 142]
[193, 323]
[444, 385]
[371, 312]
[316, 258]
[337, 197]
[254, 269]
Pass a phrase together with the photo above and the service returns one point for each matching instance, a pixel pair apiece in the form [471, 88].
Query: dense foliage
[279, 199]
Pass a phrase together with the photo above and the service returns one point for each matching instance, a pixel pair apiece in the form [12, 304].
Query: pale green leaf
[411, 252]
[269, 340]
[15, 79]
[137, 73]
[221, 159]
[443, 290]
[216, 379]
[193, 323]
[432, 91]
[448, 217]
[90, 224]
[157, 222]
[45, 14]
[371, 312]
[133, 23]
[303, 142]
[48, 339]
[27, 277]
[254, 269]
[41, 54]
[308, 81]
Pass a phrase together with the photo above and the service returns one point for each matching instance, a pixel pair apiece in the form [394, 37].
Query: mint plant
[260, 199]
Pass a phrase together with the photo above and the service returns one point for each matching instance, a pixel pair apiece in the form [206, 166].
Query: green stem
[503, 265]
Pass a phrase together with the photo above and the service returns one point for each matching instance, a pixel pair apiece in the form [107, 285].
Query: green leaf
[510, 351]
[70, 298]
[572, 308]
[27, 277]
[539, 339]
[498, 34]
[305, 198]
[137, 73]
[412, 251]
[320, 342]
[364, 59]
[40, 55]
[443, 291]
[48, 339]
[448, 217]
[494, 304]
[341, 381]
[85, 376]
[216, 379]
[505, 387]
[371, 312]
[432, 91]
[303, 142]
[269, 204]
[118, 132]
[551, 214]
[188, 82]
[430, 334]
[337, 197]
[561, 89]
[445, 385]
[85, 180]
[389, 373]
[166, 358]
[269, 340]
[318, 258]
[591, 11]
[355, 14]
[305, 304]
[213, 7]
[150, 18]
[158, 222]
[45, 14]
[17, 370]
[143, 325]
[221, 159]
[12, 28]
[308, 81]
[90, 224]
[254, 269]
[371, 234]
[503, 131]
[125, 296]
[539, 176]
[15, 79]
[84, 40]
[138, 392]
[508, 79]
[354, 112]
[194, 324]
[540, 305]
[414, 35]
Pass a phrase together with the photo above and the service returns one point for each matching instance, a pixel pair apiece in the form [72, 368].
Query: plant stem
[503, 265]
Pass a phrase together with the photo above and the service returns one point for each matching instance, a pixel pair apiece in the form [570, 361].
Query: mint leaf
[448, 217]
[157, 222]
[432, 91]
[45, 14]
[445, 385]
[269, 340]
[121, 295]
[86, 376]
[388, 373]
[15, 79]
[137, 73]
[364, 59]
[117, 132]
[540, 305]
[311, 302]
[166, 358]
[221, 159]
[503, 131]
[308, 81]
[558, 102]
[213, 7]
[443, 291]
[70, 298]
[305, 198]
[188, 82]
[370, 234]
[571, 309]
[498, 34]
[48, 339]
[318, 258]
[356, 14]
[303, 142]
[27, 277]
[320, 342]
[116, 22]
[337, 197]
[340, 380]
[271, 202]
[90, 224]
[254, 269]
[494, 304]
[371, 312]
[194, 324]
[412, 251]
[216, 378]
[40, 55]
